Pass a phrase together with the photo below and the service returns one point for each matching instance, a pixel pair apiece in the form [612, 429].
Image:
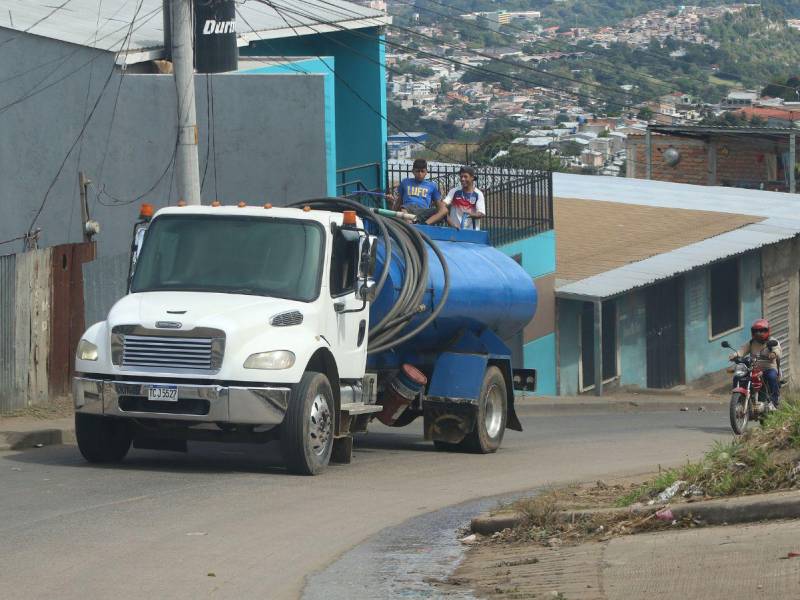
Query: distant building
[403, 146]
[745, 157]
[669, 271]
[739, 99]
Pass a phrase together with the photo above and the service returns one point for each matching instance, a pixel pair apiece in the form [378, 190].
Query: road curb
[743, 509]
[20, 440]
[528, 405]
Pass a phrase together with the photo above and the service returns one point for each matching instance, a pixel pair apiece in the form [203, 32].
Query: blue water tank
[488, 289]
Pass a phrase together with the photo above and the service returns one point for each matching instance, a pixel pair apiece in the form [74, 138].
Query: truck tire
[490, 424]
[102, 439]
[307, 429]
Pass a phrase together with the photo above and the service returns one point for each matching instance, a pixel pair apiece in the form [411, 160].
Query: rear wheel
[102, 439]
[307, 430]
[490, 424]
[738, 412]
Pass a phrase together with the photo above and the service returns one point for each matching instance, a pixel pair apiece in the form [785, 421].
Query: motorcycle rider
[767, 359]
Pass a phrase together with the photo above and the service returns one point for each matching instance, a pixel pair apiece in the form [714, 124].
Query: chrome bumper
[198, 403]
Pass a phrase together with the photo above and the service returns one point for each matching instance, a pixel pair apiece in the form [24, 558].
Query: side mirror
[772, 343]
[725, 345]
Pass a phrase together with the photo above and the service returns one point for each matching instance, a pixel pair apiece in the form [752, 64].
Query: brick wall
[739, 161]
[692, 168]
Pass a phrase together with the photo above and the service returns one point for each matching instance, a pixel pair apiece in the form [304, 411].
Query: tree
[645, 113]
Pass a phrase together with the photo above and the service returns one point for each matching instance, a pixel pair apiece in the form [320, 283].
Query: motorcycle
[750, 399]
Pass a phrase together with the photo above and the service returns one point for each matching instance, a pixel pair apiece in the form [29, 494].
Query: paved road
[227, 522]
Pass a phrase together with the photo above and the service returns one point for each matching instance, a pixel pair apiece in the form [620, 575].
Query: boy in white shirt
[467, 204]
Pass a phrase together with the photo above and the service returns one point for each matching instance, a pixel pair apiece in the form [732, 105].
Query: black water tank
[215, 36]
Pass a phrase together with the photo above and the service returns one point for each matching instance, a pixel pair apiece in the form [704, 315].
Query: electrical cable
[411, 243]
[463, 65]
[85, 123]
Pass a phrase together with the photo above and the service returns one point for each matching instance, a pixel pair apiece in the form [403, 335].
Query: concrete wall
[632, 334]
[538, 257]
[703, 355]
[269, 136]
[360, 93]
[569, 335]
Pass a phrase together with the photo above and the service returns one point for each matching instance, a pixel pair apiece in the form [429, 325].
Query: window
[344, 263]
[725, 302]
[235, 255]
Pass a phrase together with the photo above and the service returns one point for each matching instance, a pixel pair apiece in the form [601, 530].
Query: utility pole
[179, 38]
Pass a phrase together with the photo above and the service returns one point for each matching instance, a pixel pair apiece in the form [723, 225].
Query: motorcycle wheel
[738, 412]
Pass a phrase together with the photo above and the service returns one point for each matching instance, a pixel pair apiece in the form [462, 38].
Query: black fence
[519, 203]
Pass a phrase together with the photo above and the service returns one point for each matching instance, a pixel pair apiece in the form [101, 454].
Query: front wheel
[738, 412]
[102, 439]
[307, 429]
[490, 424]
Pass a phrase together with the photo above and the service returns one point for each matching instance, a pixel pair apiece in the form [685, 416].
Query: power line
[346, 83]
[467, 66]
[85, 123]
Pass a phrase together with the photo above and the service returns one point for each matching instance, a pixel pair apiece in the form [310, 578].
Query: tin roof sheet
[104, 24]
[638, 274]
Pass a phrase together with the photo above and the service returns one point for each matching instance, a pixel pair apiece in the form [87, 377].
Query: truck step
[359, 408]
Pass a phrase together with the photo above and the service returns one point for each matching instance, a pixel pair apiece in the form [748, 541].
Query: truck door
[350, 314]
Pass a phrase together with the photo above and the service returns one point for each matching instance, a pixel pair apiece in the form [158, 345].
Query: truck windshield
[235, 255]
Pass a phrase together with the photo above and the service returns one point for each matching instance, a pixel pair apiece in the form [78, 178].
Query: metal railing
[519, 202]
[358, 179]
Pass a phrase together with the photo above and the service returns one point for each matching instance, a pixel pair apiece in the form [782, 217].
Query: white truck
[252, 324]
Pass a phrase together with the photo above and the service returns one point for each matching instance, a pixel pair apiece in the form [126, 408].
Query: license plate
[163, 393]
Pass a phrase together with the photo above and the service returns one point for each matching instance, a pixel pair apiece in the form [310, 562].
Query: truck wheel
[307, 430]
[102, 439]
[490, 424]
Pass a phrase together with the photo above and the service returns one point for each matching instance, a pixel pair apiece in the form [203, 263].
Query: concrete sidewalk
[709, 563]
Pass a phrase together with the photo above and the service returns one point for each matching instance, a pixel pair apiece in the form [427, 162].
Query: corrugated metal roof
[705, 129]
[666, 194]
[105, 23]
[663, 266]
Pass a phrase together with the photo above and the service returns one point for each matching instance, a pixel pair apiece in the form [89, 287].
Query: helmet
[760, 330]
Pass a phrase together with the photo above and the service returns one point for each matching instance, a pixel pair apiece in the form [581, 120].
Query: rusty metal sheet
[8, 390]
[66, 315]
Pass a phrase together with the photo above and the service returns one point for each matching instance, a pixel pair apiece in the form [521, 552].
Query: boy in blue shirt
[419, 196]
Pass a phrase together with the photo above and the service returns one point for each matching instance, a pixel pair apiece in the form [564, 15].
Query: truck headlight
[86, 350]
[277, 359]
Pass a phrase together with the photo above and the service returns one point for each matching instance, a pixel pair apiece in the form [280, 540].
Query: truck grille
[180, 352]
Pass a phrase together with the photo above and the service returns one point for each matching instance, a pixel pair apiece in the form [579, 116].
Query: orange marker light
[268, 205]
[307, 208]
[181, 203]
[349, 217]
[216, 203]
[146, 211]
[242, 204]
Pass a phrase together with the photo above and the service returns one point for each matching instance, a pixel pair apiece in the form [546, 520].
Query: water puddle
[402, 561]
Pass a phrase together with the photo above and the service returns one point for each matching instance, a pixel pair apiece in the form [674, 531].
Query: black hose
[411, 243]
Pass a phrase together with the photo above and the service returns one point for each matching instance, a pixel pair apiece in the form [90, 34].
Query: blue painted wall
[319, 66]
[541, 355]
[360, 90]
[538, 253]
[632, 335]
[568, 314]
[704, 355]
